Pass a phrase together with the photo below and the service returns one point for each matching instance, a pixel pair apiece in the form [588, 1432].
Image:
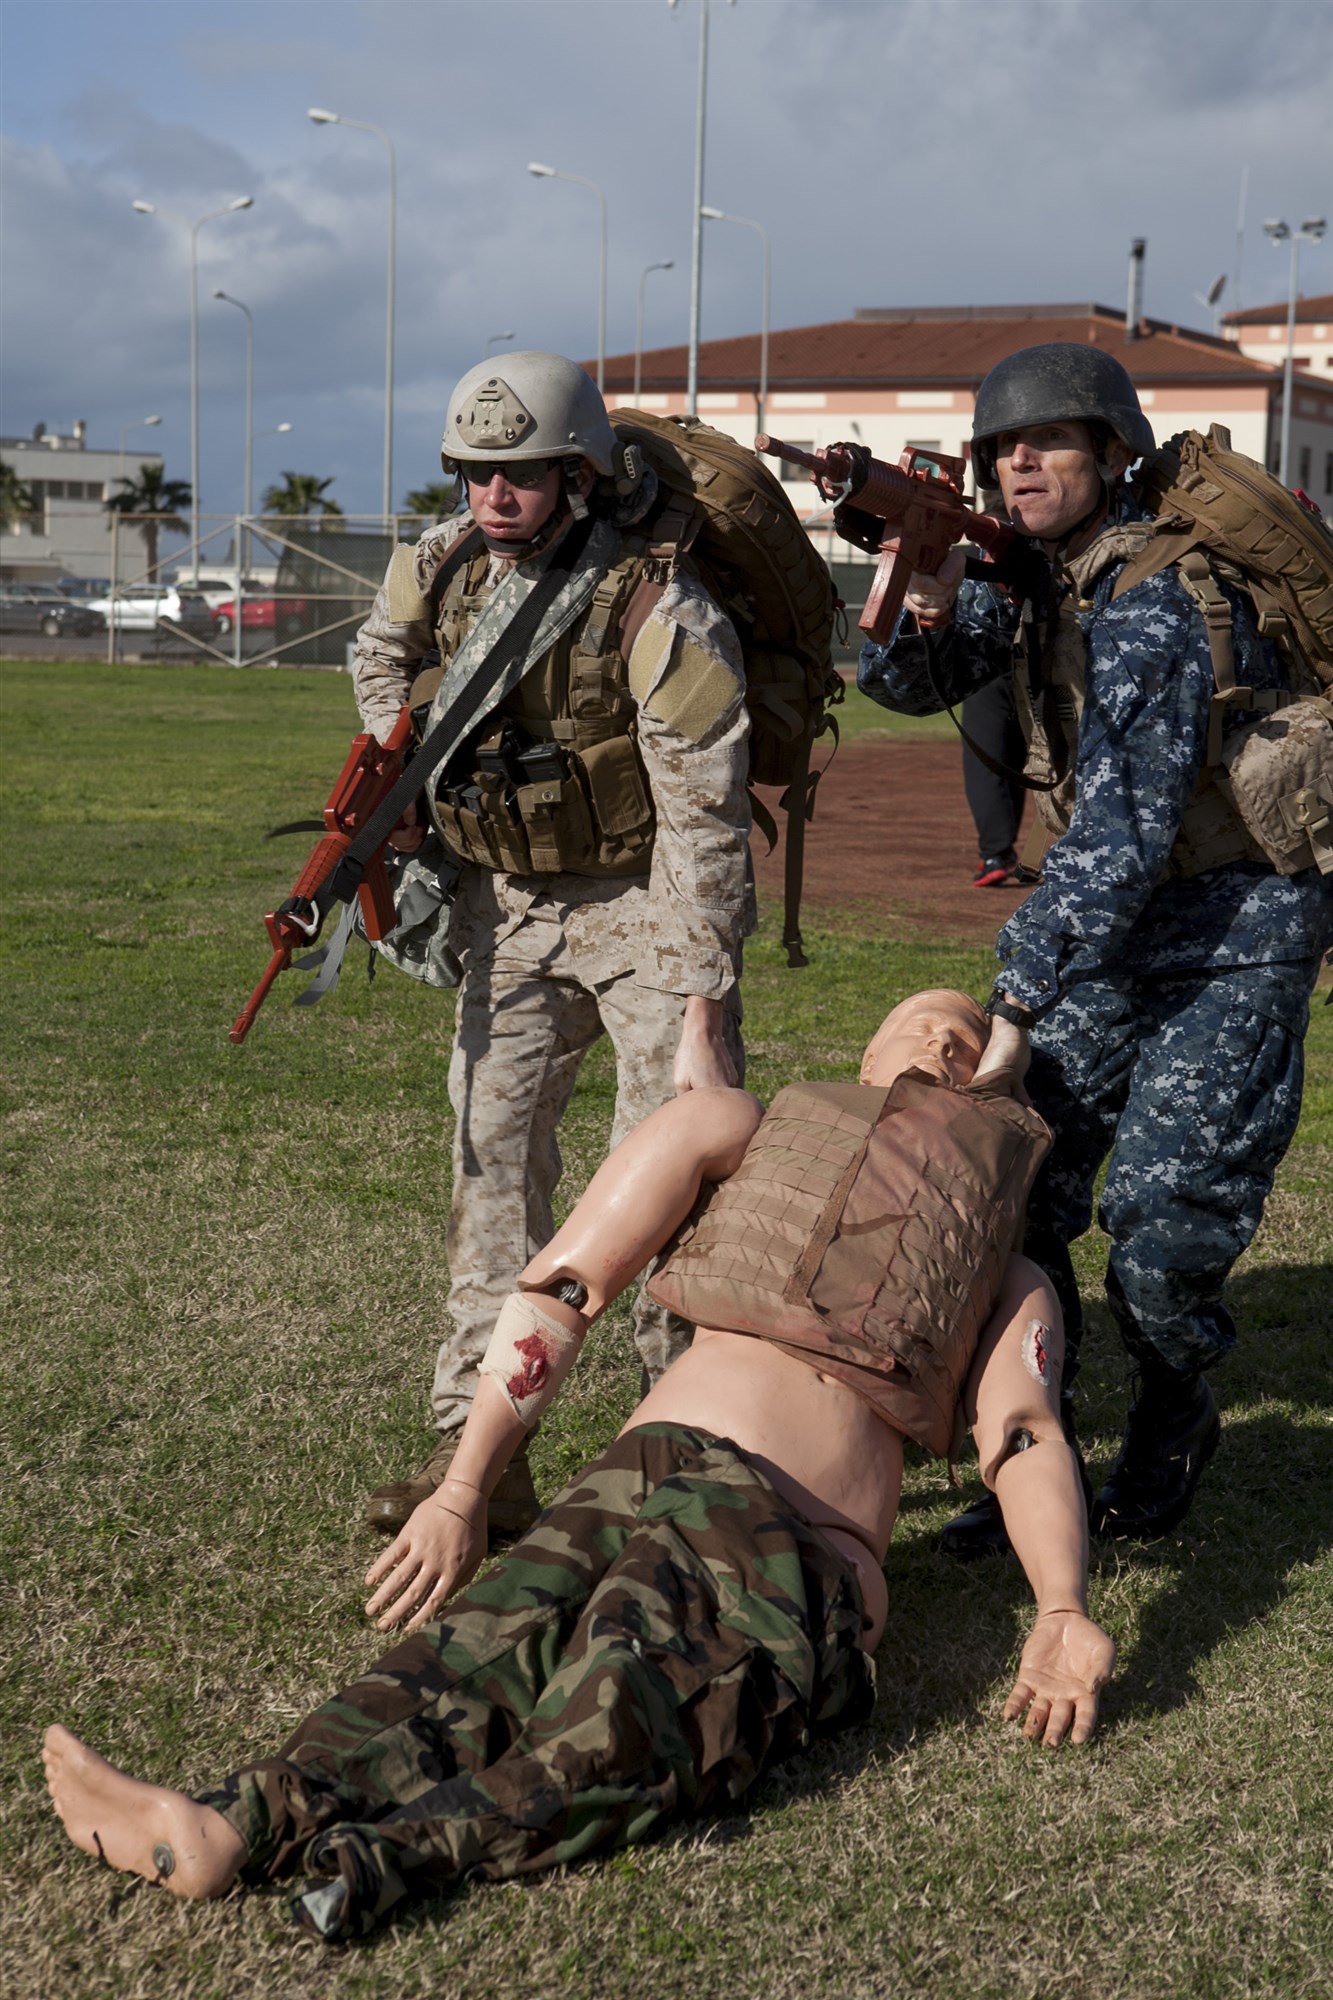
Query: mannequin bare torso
[823, 1448]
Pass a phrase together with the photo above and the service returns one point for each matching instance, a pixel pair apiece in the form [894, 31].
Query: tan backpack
[1219, 516]
[727, 511]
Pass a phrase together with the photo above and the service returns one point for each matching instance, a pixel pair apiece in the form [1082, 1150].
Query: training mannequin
[696, 1604]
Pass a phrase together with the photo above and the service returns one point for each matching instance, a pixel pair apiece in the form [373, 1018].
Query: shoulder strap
[342, 883]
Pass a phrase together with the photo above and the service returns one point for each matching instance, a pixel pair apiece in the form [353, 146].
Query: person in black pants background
[995, 802]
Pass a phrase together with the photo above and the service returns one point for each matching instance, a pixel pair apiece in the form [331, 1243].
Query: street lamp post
[721, 215]
[492, 338]
[697, 234]
[668, 265]
[1310, 231]
[125, 429]
[227, 299]
[554, 174]
[229, 208]
[318, 117]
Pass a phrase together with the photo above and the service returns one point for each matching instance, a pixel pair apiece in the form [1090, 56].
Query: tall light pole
[555, 174]
[1310, 231]
[152, 208]
[745, 221]
[638, 323]
[697, 234]
[492, 338]
[318, 117]
[227, 299]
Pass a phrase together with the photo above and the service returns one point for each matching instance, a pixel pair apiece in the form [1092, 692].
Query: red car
[284, 615]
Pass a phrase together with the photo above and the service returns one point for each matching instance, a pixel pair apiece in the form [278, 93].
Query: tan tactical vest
[555, 781]
[866, 1230]
[1210, 833]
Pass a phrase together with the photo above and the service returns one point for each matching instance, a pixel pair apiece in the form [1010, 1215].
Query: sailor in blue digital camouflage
[1162, 967]
[587, 865]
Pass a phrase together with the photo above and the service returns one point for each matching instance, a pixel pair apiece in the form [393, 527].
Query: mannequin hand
[434, 1556]
[1066, 1662]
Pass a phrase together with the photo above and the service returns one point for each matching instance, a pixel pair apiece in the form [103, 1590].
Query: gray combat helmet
[540, 406]
[1043, 385]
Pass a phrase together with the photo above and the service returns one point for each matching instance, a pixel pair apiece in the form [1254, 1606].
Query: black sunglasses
[520, 472]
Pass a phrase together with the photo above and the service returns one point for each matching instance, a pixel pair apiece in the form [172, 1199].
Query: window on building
[1328, 472]
[1304, 467]
[794, 475]
[55, 489]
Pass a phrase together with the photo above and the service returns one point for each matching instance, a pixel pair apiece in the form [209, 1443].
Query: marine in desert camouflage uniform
[1164, 974]
[632, 928]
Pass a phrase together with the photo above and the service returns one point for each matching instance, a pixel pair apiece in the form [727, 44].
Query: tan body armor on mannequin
[862, 1232]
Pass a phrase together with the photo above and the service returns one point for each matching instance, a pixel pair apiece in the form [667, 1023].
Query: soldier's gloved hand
[1066, 1662]
[930, 598]
[441, 1546]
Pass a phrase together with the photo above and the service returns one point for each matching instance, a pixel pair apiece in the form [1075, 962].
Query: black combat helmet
[1043, 385]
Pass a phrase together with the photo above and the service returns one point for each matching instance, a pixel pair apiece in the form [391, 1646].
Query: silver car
[145, 607]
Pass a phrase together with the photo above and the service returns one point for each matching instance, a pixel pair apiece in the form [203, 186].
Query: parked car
[147, 607]
[32, 607]
[285, 615]
[82, 588]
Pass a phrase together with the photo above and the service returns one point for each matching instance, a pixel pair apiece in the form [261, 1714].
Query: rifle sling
[344, 879]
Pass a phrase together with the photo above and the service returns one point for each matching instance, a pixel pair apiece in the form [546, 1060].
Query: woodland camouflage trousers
[668, 1629]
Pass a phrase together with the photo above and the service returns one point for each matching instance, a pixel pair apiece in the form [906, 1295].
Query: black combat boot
[980, 1531]
[1170, 1436]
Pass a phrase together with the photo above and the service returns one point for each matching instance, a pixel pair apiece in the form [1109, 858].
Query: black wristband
[998, 1008]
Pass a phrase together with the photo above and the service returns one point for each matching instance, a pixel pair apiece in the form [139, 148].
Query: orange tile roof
[938, 346]
[1307, 310]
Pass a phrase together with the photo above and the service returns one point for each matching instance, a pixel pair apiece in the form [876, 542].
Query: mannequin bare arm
[640, 1194]
[1012, 1401]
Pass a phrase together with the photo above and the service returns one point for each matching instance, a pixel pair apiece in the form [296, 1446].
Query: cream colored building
[69, 532]
[1260, 332]
[908, 376]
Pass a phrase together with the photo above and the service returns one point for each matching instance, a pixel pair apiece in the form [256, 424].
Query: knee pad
[529, 1356]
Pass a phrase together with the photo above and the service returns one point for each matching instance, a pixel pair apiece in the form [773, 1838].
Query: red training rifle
[920, 504]
[369, 775]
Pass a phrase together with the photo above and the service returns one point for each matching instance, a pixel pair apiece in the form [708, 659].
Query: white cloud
[936, 151]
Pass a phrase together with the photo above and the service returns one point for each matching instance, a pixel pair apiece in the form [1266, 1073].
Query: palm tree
[15, 499]
[302, 496]
[435, 502]
[152, 502]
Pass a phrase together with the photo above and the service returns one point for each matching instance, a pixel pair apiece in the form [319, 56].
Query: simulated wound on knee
[529, 1355]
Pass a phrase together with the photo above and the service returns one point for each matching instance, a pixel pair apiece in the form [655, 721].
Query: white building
[69, 532]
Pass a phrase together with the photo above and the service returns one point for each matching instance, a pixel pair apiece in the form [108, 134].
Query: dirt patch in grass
[892, 835]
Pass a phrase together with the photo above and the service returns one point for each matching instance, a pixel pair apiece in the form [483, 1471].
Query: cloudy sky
[900, 152]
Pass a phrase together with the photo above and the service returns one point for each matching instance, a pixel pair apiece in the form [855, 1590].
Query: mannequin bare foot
[144, 1829]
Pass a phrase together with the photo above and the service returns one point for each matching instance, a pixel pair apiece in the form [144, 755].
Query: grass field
[223, 1278]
